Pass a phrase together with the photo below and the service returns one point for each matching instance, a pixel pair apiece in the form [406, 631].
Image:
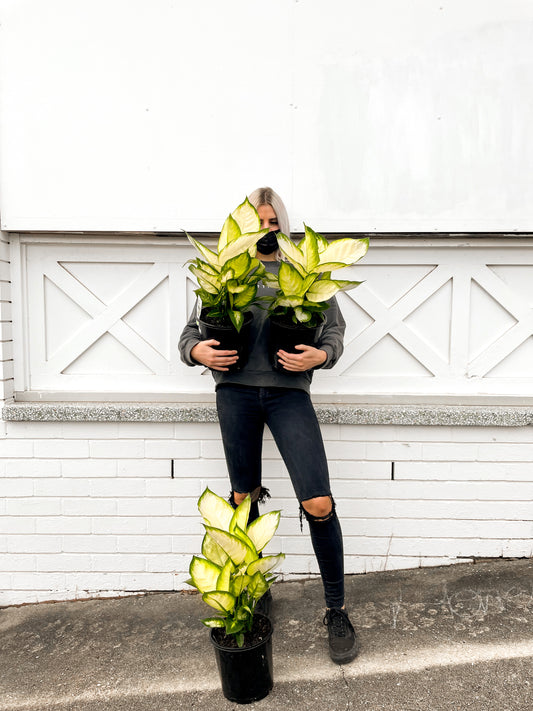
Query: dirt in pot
[261, 627]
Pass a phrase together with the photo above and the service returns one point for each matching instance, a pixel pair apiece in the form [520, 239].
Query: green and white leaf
[290, 250]
[246, 217]
[237, 550]
[224, 579]
[221, 601]
[263, 528]
[230, 231]
[213, 622]
[215, 510]
[204, 574]
[240, 515]
[309, 247]
[209, 256]
[265, 565]
[245, 297]
[302, 315]
[345, 251]
[213, 552]
[239, 245]
[239, 583]
[290, 281]
[258, 586]
[237, 319]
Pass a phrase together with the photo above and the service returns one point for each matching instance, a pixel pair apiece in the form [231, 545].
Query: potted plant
[227, 280]
[232, 576]
[304, 285]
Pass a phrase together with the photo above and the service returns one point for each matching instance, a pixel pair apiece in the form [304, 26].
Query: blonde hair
[267, 196]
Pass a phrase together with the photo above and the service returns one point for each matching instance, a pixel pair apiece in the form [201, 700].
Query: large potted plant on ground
[227, 280]
[304, 285]
[232, 576]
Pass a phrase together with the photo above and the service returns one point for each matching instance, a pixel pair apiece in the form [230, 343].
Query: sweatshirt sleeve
[332, 337]
[190, 336]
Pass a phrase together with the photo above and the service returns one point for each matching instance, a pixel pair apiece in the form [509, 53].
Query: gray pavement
[458, 637]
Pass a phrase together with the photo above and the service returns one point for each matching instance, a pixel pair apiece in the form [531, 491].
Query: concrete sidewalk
[457, 637]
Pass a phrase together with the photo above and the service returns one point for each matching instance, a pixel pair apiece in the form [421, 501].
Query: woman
[259, 395]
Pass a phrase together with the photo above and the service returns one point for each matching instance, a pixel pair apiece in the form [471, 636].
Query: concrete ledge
[444, 415]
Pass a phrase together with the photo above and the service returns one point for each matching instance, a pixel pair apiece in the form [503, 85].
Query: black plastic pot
[230, 339]
[246, 673]
[286, 336]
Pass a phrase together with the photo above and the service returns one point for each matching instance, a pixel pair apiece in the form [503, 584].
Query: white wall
[90, 508]
[161, 115]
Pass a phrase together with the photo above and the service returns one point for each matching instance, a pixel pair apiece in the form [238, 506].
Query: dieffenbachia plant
[228, 278]
[304, 282]
[231, 575]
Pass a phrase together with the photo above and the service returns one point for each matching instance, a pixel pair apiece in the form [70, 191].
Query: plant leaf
[215, 510]
[213, 552]
[240, 515]
[209, 256]
[237, 319]
[238, 584]
[237, 550]
[221, 601]
[258, 586]
[238, 246]
[290, 250]
[263, 528]
[223, 581]
[246, 217]
[346, 251]
[213, 622]
[230, 231]
[204, 574]
[245, 297]
[290, 281]
[265, 565]
[310, 249]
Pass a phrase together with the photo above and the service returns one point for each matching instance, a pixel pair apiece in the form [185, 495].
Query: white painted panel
[157, 115]
[442, 317]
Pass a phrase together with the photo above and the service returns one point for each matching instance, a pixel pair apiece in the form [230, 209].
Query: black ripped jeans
[243, 412]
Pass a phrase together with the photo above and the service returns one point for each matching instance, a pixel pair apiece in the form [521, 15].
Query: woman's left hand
[299, 362]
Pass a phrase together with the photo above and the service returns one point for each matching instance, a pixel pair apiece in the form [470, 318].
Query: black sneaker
[264, 605]
[343, 642]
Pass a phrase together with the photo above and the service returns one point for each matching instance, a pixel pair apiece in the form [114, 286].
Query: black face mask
[268, 243]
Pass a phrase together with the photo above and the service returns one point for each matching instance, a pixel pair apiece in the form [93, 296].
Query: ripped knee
[321, 508]
[259, 494]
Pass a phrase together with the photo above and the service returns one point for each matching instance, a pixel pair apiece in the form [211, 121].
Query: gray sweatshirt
[258, 370]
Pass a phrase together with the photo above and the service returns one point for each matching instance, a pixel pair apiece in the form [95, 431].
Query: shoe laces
[337, 622]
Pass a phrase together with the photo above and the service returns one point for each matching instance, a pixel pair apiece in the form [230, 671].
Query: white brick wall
[91, 509]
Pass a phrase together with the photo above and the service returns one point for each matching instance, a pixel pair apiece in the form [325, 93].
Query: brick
[163, 449]
[174, 487]
[359, 470]
[88, 468]
[143, 468]
[31, 468]
[144, 544]
[34, 544]
[17, 524]
[33, 507]
[118, 448]
[196, 431]
[118, 563]
[144, 507]
[89, 544]
[93, 581]
[62, 562]
[147, 581]
[161, 563]
[145, 430]
[38, 581]
[62, 448]
[14, 488]
[119, 525]
[117, 488]
[87, 506]
[89, 430]
[11, 448]
[61, 487]
[60, 525]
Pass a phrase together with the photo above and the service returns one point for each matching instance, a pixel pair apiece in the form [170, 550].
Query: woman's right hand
[205, 353]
